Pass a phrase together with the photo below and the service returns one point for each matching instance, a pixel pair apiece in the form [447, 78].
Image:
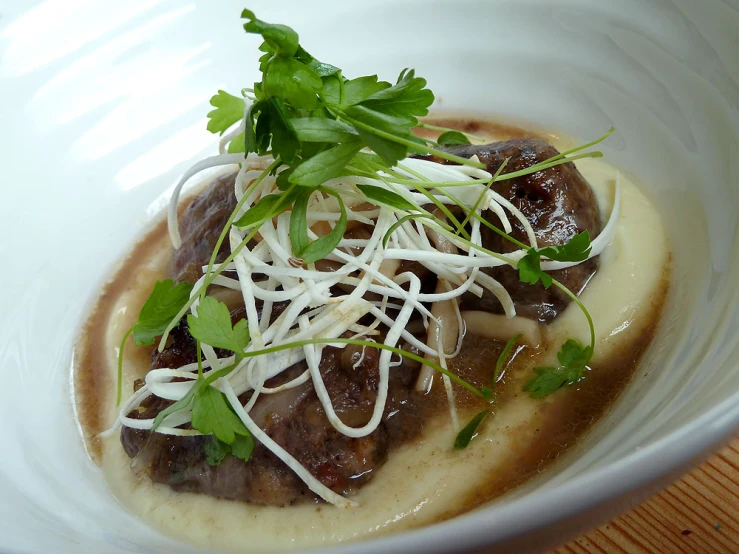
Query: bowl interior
[100, 128]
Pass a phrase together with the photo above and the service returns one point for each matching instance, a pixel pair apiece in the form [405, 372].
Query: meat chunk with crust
[558, 203]
[201, 225]
[294, 419]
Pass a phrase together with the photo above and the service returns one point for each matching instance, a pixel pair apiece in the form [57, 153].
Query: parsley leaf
[387, 197]
[259, 211]
[273, 127]
[574, 354]
[576, 249]
[529, 269]
[163, 304]
[391, 152]
[299, 222]
[324, 166]
[293, 82]
[237, 144]
[285, 143]
[242, 447]
[550, 379]
[323, 69]
[319, 248]
[361, 88]
[215, 451]
[211, 414]
[251, 143]
[452, 138]
[385, 122]
[369, 121]
[212, 326]
[408, 98]
[573, 358]
[324, 245]
[321, 129]
[228, 110]
[281, 39]
[469, 431]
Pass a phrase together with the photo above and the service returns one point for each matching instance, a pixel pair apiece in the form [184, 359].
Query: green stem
[120, 365]
[584, 146]
[184, 402]
[449, 215]
[484, 192]
[400, 222]
[469, 244]
[211, 276]
[358, 342]
[446, 211]
[582, 307]
[235, 211]
[389, 136]
[547, 164]
[501, 232]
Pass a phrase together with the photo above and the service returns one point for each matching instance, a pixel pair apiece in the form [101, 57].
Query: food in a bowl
[366, 321]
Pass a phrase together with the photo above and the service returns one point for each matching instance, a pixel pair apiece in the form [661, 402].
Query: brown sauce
[560, 424]
[92, 382]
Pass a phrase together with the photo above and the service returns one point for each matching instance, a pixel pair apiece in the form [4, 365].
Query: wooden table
[699, 514]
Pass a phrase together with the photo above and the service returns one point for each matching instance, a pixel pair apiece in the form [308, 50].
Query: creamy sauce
[426, 481]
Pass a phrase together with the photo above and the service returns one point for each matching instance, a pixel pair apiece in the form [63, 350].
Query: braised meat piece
[200, 226]
[293, 418]
[557, 202]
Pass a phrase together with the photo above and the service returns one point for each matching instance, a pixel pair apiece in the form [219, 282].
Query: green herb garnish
[452, 138]
[217, 450]
[576, 250]
[212, 325]
[163, 304]
[500, 362]
[211, 414]
[469, 432]
[573, 359]
[229, 109]
[322, 246]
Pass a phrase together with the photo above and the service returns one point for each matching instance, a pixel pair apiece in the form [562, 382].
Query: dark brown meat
[558, 203]
[200, 226]
[295, 420]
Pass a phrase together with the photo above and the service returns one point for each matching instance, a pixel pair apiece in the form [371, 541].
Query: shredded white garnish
[266, 273]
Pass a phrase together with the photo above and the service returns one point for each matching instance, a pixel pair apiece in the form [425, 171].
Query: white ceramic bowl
[103, 105]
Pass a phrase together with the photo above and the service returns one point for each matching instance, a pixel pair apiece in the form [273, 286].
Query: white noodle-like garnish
[207, 163]
[265, 274]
